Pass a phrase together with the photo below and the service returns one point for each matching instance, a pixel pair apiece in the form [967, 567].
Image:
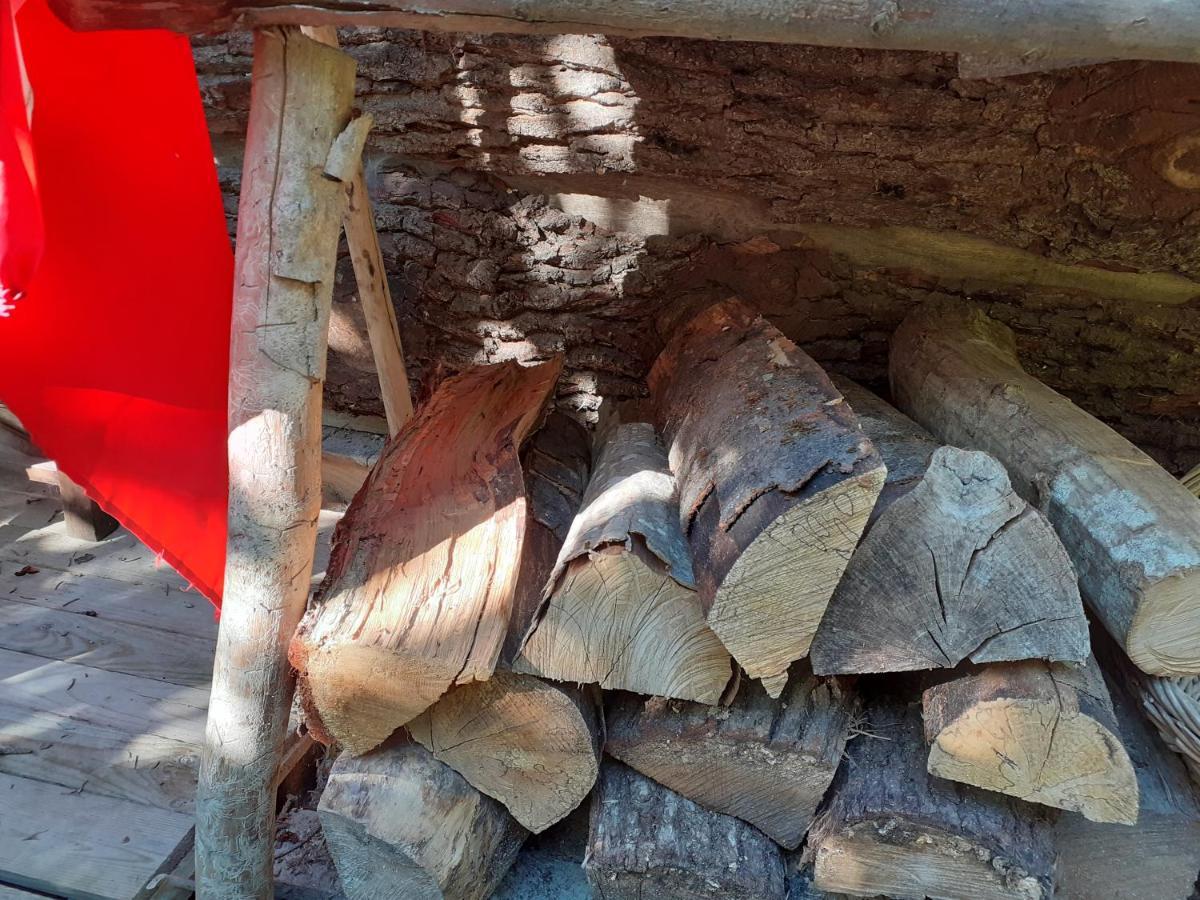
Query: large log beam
[1036, 31]
[301, 99]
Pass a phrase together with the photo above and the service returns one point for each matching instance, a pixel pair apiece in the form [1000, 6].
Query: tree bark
[1042, 732]
[301, 98]
[398, 823]
[620, 609]
[648, 841]
[419, 590]
[892, 829]
[1132, 530]
[1039, 30]
[533, 746]
[766, 761]
[1095, 860]
[956, 567]
[776, 481]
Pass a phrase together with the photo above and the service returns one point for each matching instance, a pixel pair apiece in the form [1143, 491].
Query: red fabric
[117, 358]
[20, 216]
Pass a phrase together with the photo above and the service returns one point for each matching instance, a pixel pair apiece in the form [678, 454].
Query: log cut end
[1165, 633]
[531, 745]
[771, 602]
[618, 619]
[1042, 733]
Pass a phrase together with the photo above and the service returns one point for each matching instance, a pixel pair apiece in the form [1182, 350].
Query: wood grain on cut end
[533, 746]
[646, 841]
[621, 611]
[958, 568]
[399, 823]
[776, 480]
[766, 761]
[1044, 733]
[419, 590]
[890, 829]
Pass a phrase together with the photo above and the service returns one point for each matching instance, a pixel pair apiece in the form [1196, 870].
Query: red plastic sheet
[117, 357]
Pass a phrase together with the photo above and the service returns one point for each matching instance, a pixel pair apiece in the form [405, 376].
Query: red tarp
[117, 357]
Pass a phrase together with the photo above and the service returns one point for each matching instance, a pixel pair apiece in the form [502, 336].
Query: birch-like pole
[288, 222]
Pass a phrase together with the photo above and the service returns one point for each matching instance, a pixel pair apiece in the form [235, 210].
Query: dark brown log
[1159, 856]
[647, 841]
[419, 589]
[890, 828]
[620, 609]
[532, 745]
[776, 481]
[766, 761]
[398, 823]
[1042, 732]
[955, 567]
[1132, 530]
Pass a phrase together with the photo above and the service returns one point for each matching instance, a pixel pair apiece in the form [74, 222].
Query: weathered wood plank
[121, 556]
[81, 844]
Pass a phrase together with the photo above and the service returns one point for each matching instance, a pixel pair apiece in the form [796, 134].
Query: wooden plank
[121, 556]
[113, 646]
[8, 892]
[81, 844]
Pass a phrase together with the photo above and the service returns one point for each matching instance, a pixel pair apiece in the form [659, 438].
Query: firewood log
[398, 823]
[956, 566]
[891, 829]
[1132, 530]
[1042, 732]
[532, 745]
[621, 610]
[776, 481]
[1159, 856]
[766, 761]
[419, 589]
[647, 841]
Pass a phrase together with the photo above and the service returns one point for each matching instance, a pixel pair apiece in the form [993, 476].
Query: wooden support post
[84, 517]
[374, 295]
[291, 205]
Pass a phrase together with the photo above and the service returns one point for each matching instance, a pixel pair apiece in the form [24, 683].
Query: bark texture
[766, 761]
[664, 137]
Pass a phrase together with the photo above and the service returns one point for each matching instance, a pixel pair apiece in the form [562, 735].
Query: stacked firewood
[782, 638]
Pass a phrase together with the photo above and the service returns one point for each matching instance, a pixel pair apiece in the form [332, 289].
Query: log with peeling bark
[766, 761]
[954, 566]
[418, 593]
[532, 745]
[647, 841]
[892, 829]
[776, 481]
[398, 823]
[621, 610]
[1159, 855]
[1132, 530]
[1040, 731]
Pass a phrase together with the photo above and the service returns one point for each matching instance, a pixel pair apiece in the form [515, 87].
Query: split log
[419, 589]
[956, 566]
[776, 481]
[766, 761]
[1132, 530]
[1159, 856]
[301, 97]
[648, 841]
[398, 823]
[1042, 732]
[891, 829]
[621, 610]
[533, 746]
[1040, 29]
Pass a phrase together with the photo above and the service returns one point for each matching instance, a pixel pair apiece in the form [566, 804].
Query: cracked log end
[1165, 631]
[617, 619]
[533, 746]
[769, 605]
[1042, 733]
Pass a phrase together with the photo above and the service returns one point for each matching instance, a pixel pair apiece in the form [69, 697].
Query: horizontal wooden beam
[1034, 31]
